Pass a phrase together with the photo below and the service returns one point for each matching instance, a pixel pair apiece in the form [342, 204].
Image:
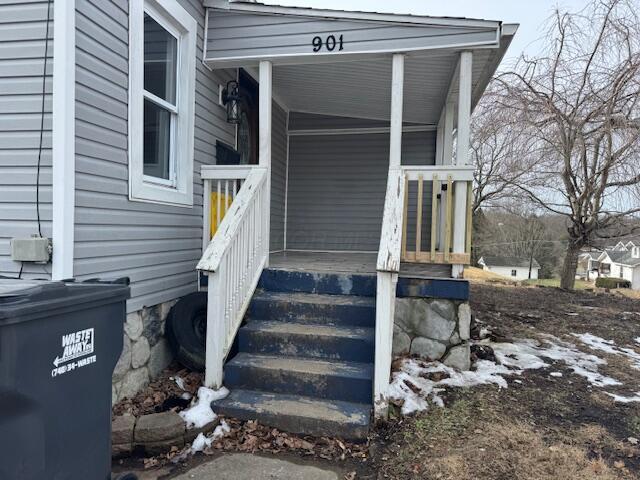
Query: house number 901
[330, 43]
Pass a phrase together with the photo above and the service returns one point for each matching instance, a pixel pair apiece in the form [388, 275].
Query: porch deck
[349, 262]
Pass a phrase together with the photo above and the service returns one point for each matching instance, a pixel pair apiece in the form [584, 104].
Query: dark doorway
[248, 126]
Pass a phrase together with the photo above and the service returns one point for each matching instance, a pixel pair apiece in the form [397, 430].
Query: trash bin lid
[21, 300]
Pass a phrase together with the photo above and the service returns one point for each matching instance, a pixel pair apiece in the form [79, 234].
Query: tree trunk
[569, 266]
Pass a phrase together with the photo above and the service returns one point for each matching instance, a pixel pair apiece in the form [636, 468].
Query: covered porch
[356, 168]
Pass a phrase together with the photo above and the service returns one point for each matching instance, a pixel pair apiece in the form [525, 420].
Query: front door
[249, 114]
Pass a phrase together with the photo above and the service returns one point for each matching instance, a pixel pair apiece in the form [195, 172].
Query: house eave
[254, 7]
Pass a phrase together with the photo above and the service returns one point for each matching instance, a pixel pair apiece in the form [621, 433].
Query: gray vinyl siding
[237, 35]
[22, 45]
[156, 246]
[278, 176]
[337, 186]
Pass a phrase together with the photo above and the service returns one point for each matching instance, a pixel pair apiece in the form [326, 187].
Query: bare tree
[497, 153]
[578, 105]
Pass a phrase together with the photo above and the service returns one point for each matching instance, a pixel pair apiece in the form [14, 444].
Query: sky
[532, 15]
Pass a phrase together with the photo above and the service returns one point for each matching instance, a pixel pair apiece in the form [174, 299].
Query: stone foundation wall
[145, 351]
[434, 329]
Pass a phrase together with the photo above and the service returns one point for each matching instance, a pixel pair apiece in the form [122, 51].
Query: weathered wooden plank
[425, 257]
[458, 173]
[419, 215]
[434, 214]
[469, 222]
[447, 223]
[391, 235]
[405, 208]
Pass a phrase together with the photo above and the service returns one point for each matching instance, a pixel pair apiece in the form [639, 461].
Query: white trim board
[63, 138]
[243, 6]
[359, 131]
[334, 57]
[175, 19]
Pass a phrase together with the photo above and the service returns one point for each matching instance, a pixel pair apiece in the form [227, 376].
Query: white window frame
[178, 190]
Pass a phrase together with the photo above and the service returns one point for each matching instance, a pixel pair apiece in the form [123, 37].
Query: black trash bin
[59, 344]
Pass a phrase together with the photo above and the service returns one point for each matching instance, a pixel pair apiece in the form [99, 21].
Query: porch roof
[354, 81]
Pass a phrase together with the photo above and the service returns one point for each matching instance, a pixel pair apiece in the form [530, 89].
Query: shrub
[611, 282]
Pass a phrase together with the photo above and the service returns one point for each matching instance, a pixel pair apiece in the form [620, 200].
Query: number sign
[329, 44]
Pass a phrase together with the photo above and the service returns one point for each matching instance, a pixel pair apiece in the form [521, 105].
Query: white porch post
[397, 89]
[387, 281]
[264, 154]
[462, 157]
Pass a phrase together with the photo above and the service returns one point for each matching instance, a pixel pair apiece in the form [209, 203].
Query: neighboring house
[588, 265]
[622, 264]
[344, 123]
[514, 267]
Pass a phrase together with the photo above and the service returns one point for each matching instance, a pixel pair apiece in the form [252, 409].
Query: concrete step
[298, 414]
[331, 342]
[325, 283]
[313, 308]
[331, 380]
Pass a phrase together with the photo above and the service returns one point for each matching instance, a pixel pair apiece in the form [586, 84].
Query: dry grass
[457, 443]
[627, 292]
[517, 451]
[476, 274]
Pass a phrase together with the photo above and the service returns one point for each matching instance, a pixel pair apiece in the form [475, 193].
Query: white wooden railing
[226, 182]
[233, 259]
[449, 237]
[388, 266]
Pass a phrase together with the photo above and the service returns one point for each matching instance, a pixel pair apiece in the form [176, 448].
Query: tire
[127, 476]
[186, 330]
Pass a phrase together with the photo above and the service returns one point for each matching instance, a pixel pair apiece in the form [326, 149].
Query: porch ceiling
[363, 88]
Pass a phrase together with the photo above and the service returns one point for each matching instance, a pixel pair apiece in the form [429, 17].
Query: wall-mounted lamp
[231, 98]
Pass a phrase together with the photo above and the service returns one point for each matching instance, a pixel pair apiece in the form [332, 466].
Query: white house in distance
[588, 265]
[625, 264]
[513, 267]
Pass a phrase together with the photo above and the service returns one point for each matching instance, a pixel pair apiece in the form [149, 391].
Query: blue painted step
[313, 308]
[294, 339]
[331, 380]
[298, 414]
[292, 281]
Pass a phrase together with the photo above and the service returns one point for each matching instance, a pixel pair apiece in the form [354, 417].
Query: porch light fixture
[231, 99]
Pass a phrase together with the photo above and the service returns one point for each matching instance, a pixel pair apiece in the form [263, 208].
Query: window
[514, 273]
[162, 42]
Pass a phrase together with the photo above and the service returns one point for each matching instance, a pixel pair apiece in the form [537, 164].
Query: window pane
[157, 140]
[160, 60]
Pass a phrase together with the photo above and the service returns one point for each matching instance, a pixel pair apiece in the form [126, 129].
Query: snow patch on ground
[200, 413]
[201, 441]
[623, 399]
[418, 383]
[179, 382]
[610, 347]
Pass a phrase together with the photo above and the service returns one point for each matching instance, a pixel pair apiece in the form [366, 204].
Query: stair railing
[388, 266]
[233, 261]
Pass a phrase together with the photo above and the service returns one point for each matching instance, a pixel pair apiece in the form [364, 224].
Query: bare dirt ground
[540, 427]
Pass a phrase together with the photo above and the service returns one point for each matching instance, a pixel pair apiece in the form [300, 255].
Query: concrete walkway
[244, 466]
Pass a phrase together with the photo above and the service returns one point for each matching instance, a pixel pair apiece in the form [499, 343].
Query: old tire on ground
[186, 330]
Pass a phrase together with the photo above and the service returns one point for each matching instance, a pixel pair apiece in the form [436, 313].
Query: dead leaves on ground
[252, 437]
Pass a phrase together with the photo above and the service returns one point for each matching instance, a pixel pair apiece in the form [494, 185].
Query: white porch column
[386, 280]
[462, 156]
[397, 89]
[264, 153]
